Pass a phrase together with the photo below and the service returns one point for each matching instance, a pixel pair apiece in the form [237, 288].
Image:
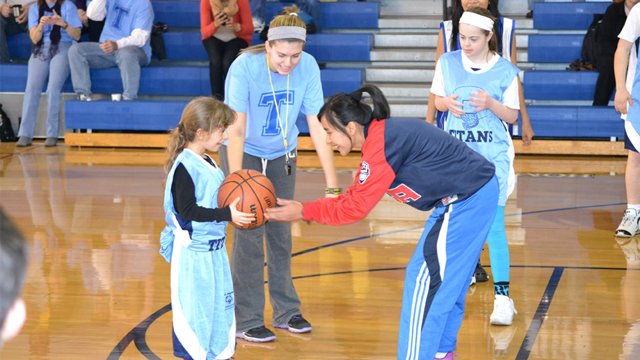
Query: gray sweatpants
[247, 258]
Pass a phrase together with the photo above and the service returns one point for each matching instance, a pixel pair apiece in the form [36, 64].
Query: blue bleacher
[576, 121]
[182, 81]
[331, 15]
[554, 48]
[566, 15]
[571, 119]
[187, 46]
[177, 13]
[559, 84]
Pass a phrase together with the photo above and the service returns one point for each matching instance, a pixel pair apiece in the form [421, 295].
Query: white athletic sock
[441, 355]
[635, 207]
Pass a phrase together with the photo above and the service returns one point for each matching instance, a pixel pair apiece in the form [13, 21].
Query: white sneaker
[473, 280]
[258, 24]
[503, 310]
[629, 225]
[83, 97]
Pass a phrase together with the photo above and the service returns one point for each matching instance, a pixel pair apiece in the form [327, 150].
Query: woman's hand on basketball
[621, 100]
[238, 217]
[287, 210]
[454, 106]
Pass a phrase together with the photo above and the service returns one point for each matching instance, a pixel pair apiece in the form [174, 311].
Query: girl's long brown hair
[204, 113]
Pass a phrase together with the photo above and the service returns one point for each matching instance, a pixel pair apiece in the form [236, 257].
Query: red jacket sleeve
[243, 16]
[371, 183]
[207, 28]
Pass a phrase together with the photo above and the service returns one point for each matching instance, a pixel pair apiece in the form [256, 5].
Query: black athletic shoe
[480, 273]
[297, 324]
[257, 334]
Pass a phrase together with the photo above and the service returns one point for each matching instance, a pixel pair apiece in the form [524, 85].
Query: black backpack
[6, 130]
[588, 53]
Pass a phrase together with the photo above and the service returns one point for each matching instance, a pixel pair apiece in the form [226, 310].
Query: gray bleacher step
[410, 7]
[408, 109]
[409, 22]
[432, 23]
[423, 40]
[409, 75]
[403, 54]
[418, 92]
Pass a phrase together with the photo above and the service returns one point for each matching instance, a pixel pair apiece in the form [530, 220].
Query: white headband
[287, 32]
[476, 20]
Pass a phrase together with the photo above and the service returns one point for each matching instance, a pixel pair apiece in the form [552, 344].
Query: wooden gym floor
[98, 289]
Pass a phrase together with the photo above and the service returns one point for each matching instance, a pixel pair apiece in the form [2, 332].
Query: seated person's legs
[82, 58]
[130, 59]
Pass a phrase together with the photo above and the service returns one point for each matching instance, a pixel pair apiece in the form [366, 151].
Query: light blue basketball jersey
[69, 13]
[207, 181]
[248, 90]
[482, 131]
[123, 16]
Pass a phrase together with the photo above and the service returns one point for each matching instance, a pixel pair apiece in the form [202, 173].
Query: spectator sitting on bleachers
[54, 26]
[11, 24]
[90, 27]
[605, 47]
[124, 42]
[225, 31]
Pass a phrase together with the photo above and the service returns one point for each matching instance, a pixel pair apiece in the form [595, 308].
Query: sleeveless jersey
[483, 131]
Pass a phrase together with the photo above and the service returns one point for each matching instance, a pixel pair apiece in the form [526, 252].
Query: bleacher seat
[187, 46]
[137, 115]
[554, 48]
[559, 84]
[171, 80]
[336, 15]
[576, 121]
[177, 13]
[566, 15]
[330, 15]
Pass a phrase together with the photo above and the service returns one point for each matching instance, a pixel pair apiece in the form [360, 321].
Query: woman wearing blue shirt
[54, 26]
[268, 86]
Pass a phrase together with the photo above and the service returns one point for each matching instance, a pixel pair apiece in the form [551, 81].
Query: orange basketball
[255, 191]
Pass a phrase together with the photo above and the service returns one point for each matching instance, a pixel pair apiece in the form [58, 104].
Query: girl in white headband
[269, 86]
[479, 90]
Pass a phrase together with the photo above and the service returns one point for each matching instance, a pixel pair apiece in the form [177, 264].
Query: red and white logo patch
[364, 172]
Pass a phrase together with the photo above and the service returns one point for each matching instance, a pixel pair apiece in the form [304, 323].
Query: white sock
[441, 355]
[635, 207]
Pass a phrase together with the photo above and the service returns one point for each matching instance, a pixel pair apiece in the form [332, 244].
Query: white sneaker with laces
[629, 225]
[503, 310]
[258, 24]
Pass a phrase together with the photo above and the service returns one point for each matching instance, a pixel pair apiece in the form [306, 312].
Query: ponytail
[341, 109]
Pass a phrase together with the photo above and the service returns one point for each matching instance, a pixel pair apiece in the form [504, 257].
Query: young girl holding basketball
[479, 89]
[268, 86]
[193, 241]
[423, 167]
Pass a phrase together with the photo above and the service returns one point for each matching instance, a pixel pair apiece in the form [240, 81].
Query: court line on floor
[138, 334]
[540, 315]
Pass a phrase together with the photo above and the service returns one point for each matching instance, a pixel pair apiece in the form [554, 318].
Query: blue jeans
[8, 26]
[40, 67]
[86, 56]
